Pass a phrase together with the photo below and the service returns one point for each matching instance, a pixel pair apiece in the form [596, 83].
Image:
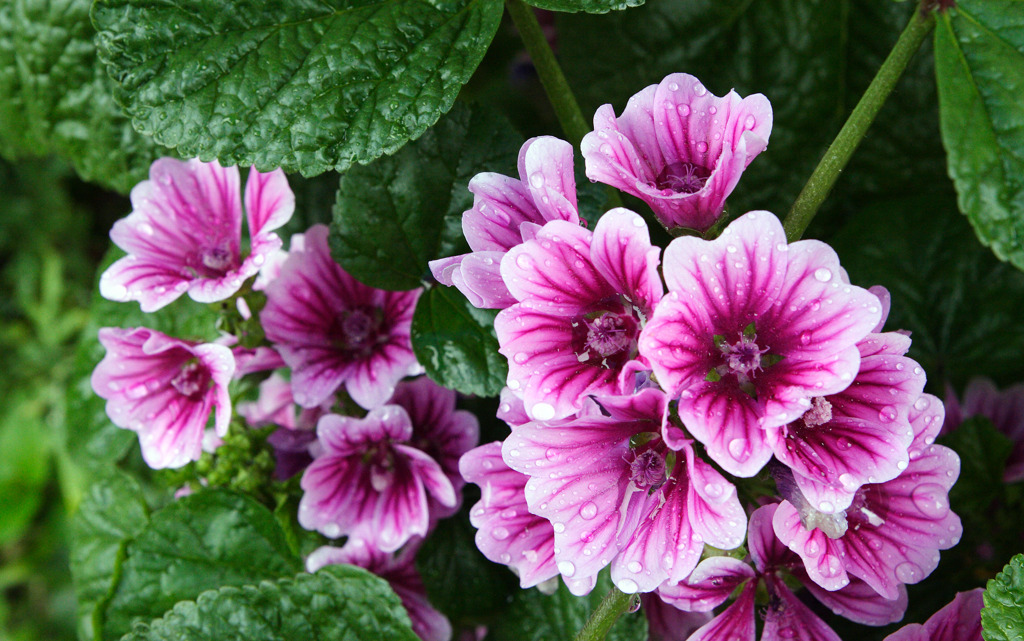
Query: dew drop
[750, 122]
[673, 86]
[684, 110]
[537, 180]
[500, 533]
[702, 147]
[543, 412]
[908, 572]
[823, 274]
[931, 499]
[566, 568]
[921, 404]
[558, 527]
[738, 449]
[588, 510]
[887, 414]
[628, 586]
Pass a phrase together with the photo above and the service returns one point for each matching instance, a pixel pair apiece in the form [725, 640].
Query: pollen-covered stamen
[193, 380]
[682, 178]
[833, 524]
[819, 414]
[216, 261]
[647, 470]
[608, 337]
[743, 357]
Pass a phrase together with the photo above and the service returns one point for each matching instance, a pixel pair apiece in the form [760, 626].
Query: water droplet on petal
[543, 412]
[702, 147]
[588, 510]
[628, 586]
[823, 274]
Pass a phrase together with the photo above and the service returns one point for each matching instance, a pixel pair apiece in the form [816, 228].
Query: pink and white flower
[616, 495]
[399, 570]
[892, 532]
[678, 148]
[506, 211]
[164, 389]
[333, 330]
[582, 299]
[960, 620]
[751, 331]
[185, 233]
[367, 482]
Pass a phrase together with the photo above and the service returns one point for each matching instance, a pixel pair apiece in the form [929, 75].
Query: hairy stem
[604, 617]
[842, 148]
[559, 94]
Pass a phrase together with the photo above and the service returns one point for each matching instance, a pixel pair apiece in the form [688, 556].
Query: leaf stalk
[601, 620]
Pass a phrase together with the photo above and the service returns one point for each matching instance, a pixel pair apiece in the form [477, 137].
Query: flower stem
[842, 148]
[557, 88]
[604, 617]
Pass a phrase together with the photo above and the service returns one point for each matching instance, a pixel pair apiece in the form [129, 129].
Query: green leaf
[962, 306]
[590, 6]
[983, 453]
[811, 58]
[1002, 618]
[55, 94]
[307, 85]
[460, 581]
[24, 462]
[395, 215]
[91, 436]
[979, 66]
[111, 514]
[534, 616]
[201, 542]
[338, 603]
[456, 343]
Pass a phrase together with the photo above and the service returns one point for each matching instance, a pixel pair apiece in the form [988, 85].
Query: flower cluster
[629, 394]
[378, 447]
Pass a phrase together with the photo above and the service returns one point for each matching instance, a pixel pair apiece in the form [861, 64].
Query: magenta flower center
[647, 470]
[357, 331]
[819, 414]
[381, 462]
[682, 178]
[743, 357]
[609, 337]
[192, 380]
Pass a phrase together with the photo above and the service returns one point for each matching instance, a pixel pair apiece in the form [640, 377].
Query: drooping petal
[858, 602]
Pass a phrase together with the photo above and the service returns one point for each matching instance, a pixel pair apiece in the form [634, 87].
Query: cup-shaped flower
[333, 330]
[506, 211]
[367, 482]
[860, 435]
[399, 570]
[960, 620]
[678, 148]
[583, 297]
[892, 531]
[751, 331]
[185, 233]
[617, 495]
[164, 389]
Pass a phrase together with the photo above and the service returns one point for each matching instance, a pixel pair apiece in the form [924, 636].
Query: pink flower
[958, 621]
[399, 570]
[752, 330]
[367, 482]
[678, 148]
[1004, 408]
[859, 435]
[164, 389]
[185, 233]
[439, 430]
[617, 495]
[333, 330]
[892, 532]
[507, 211]
[582, 300]
[786, 616]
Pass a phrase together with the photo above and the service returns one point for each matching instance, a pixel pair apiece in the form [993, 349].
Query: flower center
[682, 178]
[192, 381]
[381, 462]
[609, 337]
[819, 414]
[743, 357]
[216, 262]
[647, 470]
[358, 331]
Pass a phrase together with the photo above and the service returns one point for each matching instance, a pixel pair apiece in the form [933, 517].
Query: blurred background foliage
[893, 219]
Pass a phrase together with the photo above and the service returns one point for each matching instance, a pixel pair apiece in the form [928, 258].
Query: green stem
[614, 604]
[842, 148]
[562, 99]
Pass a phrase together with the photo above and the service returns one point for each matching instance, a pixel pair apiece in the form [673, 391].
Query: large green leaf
[201, 542]
[338, 603]
[534, 616]
[111, 514]
[55, 94]
[455, 342]
[396, 214]
[811, 58]
[1002, 618]
[979, 65]
[308, 85]
[962, 306]
[590, 6]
